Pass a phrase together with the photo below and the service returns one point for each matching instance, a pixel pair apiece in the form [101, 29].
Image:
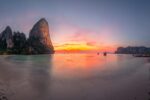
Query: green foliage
[19, 40]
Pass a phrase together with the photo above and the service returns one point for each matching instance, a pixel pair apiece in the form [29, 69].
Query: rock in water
[39, 39]
[6, 39]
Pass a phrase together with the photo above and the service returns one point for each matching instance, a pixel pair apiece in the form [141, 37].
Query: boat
[105, 53]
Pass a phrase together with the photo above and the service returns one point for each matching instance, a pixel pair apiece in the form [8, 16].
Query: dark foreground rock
[39, 41]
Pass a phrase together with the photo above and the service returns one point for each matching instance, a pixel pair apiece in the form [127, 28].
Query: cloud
[91, 43]
[71, 36]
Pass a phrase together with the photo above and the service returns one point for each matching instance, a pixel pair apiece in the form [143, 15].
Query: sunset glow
[75, 47]
[77, 26]
[82, 47]
[76, 39]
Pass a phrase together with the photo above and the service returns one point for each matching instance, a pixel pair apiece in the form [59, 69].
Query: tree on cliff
[19, 40]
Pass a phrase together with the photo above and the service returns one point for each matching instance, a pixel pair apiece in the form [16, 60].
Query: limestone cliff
[6, 38]
[39, 38]
[39, 41]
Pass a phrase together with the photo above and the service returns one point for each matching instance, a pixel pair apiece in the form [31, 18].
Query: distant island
[39, 41]
[133, 50]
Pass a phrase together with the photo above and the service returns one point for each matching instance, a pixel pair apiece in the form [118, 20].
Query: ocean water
[74, 77]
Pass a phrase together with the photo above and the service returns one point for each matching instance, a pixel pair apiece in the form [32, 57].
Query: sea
[74, 77]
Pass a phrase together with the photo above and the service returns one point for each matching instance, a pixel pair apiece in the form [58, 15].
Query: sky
[92, 25]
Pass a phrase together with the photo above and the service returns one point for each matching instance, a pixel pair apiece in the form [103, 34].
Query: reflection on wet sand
[28, 78]
[74, 77]
[38, 79]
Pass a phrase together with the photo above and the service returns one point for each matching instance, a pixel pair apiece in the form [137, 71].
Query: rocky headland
[39, 41]
[133, 50]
